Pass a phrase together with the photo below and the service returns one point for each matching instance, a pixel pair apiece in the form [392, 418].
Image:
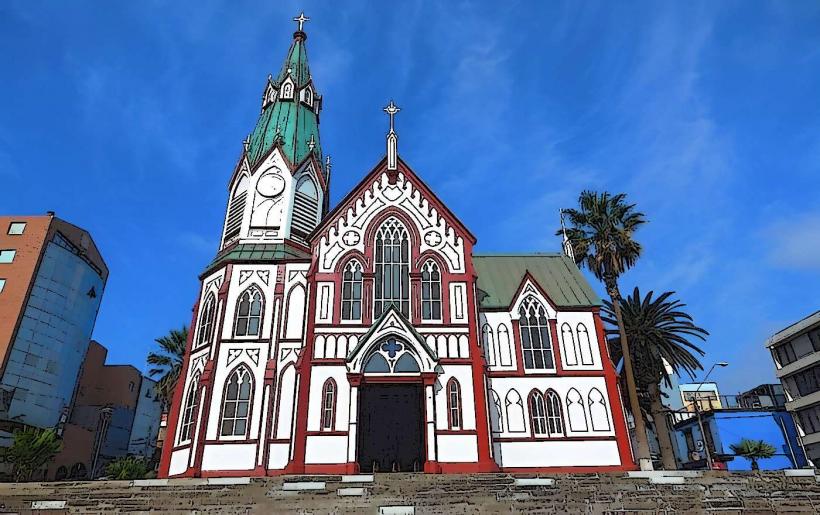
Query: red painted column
[485, 458]
[176, 401]
[559, 368]
[303, 365]
[207, 378]
[615, 402]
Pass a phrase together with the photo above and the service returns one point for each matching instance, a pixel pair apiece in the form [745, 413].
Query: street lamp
[700, 420]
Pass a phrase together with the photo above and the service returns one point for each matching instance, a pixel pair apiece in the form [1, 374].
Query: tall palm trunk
[658, 411]
[641, 441]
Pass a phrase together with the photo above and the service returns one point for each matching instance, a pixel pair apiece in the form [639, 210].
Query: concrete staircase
[635, 492]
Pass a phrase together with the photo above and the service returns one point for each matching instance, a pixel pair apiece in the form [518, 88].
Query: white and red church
[370, 337]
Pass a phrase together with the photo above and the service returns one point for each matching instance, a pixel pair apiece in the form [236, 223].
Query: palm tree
[659, 333]
[753, 450]
[601, 235]
[167, 363]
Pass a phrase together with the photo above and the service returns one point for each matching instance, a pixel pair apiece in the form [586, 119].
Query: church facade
[371, 337]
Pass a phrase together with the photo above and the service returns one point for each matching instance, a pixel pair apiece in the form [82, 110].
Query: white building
[371, 337]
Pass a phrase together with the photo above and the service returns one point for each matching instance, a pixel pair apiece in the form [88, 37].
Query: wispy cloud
[794, 241]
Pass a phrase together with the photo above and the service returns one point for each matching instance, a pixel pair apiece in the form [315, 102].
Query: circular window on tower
[271, 184]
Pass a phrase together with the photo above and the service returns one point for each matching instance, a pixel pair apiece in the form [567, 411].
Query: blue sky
[127, 118]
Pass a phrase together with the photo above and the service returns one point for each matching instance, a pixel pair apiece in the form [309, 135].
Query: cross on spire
[301, 19]
[312, 143]
[392, 140]
[391, 111]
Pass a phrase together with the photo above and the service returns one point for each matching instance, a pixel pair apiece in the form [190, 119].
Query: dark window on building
[535, 337]
[236, 404]
[538, 413]
[430, 291]
[352, 291]
[206, 320]
[328, 405]
[191, 402]
[807, 381]
[249, 313]
[810, 419]
[392, 268]
[454, 404]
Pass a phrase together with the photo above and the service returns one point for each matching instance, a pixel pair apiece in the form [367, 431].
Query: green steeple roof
[291, 121]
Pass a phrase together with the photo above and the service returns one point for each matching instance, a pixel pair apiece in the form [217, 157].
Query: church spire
[392, 138]
[290, 108]
[567, 244]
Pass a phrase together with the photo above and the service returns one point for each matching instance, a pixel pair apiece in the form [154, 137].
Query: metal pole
[703, 436]
[700, 420]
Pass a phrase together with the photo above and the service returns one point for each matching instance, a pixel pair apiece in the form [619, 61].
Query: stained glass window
[392, 258]
[206, 320]
[535, 337]
[554, 420]
[352, 291]
[191, 402]
[430, 291]
[328, 404]
[454, 403]
[249, 313]
[538, 413]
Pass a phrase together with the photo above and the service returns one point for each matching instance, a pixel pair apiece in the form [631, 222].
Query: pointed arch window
[584, 345]
[392, 258]
[538, 414]
[206, 320]
[308, 96]
[535, 337]
[328, 405]
[249, 312]
[236, 210]
[236, 403]
[489, 346]
[515, 412]
[454, 404]
[430, 291]
[576, 414]
[555, 422]
[570, 350]
[505, 351]
[597, 410]
[497, 422]
[305, 206]
[352, 291]
[188, 412]
[287, 90]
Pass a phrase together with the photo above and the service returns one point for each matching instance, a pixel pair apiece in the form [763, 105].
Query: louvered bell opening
[304, 214]
[234, 222]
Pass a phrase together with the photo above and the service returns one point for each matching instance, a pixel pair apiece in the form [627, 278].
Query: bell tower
[279, 188]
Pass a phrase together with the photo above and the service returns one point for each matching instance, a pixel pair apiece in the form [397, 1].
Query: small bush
[128, 467]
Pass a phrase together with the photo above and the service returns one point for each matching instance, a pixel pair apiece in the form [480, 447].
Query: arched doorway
[391, 414]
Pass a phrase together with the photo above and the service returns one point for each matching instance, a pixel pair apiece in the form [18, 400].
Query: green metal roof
[500, 275]
[256, 252]
[289, 121]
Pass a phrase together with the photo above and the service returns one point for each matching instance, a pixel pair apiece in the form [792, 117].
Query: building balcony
[796, 366]
[804, 401]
